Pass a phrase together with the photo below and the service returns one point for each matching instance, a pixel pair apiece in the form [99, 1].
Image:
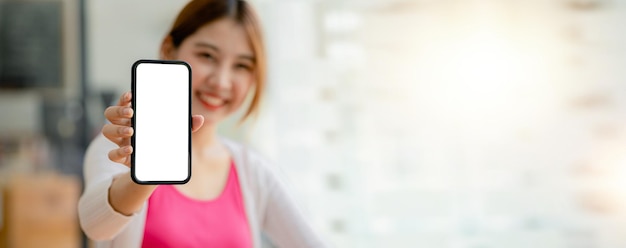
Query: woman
[232, 199]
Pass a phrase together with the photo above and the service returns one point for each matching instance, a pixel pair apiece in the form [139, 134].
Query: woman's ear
[168, 51]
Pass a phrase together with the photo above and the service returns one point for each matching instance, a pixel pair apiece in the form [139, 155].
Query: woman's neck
[206, 144]
[205, 137]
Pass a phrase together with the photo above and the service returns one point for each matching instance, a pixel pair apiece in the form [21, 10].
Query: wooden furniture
[40, 210]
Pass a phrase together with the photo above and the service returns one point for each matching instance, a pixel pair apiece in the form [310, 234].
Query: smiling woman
[232, 198]
[221, 53]
[241, 33]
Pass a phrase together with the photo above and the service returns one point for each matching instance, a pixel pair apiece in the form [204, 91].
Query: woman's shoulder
[260, 174]
[245, 154]
[249, 160]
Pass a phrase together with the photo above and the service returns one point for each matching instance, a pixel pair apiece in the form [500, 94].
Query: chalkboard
[31, 44]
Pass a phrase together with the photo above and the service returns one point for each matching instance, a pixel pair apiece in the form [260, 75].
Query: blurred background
[396, 123]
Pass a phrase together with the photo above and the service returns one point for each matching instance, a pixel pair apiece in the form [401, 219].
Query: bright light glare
[485, 81]
[487, 71]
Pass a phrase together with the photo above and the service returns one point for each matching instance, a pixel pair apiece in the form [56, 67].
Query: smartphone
[162, 121]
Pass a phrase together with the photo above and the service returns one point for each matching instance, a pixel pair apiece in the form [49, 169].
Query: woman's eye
[206, 55]
[244, 67]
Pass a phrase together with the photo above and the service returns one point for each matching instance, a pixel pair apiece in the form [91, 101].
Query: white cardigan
[269, 209]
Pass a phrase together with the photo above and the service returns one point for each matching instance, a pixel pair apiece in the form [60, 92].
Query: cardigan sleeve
[97, 217]
[283, 222]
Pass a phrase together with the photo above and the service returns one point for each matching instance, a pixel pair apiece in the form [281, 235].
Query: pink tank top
[175, 220]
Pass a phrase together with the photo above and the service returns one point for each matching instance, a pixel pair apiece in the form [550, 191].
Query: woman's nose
[222, 78]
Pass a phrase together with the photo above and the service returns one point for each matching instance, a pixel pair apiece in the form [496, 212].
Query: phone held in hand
[162, 122]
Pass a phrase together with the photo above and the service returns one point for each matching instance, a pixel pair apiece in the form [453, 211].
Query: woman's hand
[120, 130]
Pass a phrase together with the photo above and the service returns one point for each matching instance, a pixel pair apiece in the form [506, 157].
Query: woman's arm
[99, 218]
[111, 198]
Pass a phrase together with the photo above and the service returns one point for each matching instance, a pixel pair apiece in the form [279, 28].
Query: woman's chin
[211, 116]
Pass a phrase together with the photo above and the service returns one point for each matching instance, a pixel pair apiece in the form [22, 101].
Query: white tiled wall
[453, 123]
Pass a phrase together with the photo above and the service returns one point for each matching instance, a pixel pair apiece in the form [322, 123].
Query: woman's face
[222, 64]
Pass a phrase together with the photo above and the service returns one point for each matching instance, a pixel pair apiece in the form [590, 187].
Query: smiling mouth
[211, 102]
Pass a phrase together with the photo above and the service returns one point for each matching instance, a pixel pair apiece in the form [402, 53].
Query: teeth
[216, 101]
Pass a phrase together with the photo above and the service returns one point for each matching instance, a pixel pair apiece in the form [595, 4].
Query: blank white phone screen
[162, 122]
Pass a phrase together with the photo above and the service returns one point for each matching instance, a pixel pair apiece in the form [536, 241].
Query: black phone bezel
[134, 104]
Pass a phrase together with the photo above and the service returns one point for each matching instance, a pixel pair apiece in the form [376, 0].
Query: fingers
[121, 155]
[120, 131]
[118, 134]
[196, 122]
[119, 115]
[125, 99]
[122, 112]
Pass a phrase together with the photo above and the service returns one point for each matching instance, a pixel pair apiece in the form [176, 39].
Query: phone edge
[189, 120]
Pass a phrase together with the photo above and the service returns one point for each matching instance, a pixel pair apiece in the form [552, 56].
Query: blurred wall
[122, 32]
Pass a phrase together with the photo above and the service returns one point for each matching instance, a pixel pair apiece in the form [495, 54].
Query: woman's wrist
[127, 197]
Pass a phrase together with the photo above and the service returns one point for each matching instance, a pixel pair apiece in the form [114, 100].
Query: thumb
[196, 122]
